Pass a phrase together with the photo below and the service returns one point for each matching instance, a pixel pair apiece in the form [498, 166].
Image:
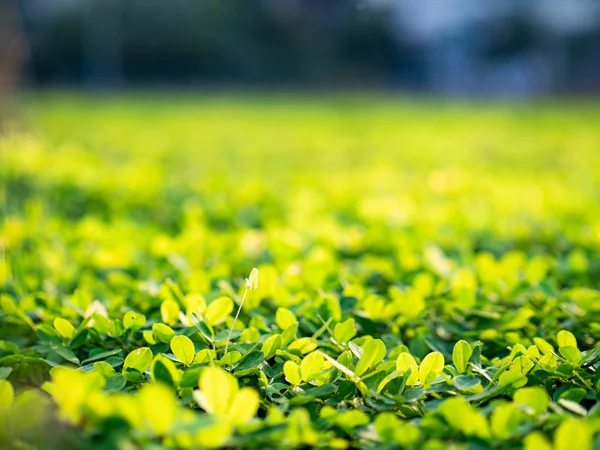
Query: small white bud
[252, 280]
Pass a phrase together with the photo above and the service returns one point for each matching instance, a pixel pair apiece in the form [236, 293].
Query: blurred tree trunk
[11, 54]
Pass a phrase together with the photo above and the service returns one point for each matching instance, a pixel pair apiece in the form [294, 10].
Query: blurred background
[474, 47]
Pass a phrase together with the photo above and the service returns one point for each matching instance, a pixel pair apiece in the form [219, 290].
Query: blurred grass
[301, 171]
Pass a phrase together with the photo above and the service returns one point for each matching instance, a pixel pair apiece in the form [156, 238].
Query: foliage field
[428, 274]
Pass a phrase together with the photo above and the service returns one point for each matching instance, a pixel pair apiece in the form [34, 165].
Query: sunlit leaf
[183, 348]
[431, 368]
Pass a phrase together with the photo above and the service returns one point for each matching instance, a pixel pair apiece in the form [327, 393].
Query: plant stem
[234, 320]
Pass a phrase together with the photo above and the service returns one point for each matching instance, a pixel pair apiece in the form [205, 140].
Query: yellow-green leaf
[214, 435]
[536, 441]
[244, 406]
[139, 359]
[344, 331]
[461, 355]
[534, 397]
[566, 339]
[218, 389]
[159, 405]
[285, 318]
[573, 434]
[169, 311]
[64, 328]
[162, 332]
[133, 321]
[271, 345]
[373, 354]
[305, 345]
[406, 362]
[544, 346]
[431, 367]
[571, 354]
[7, 394]
[505, 420]
[231, 358]
[183, 348]
[312, 365]
[218, 310]
[291, 370]
[204, 355]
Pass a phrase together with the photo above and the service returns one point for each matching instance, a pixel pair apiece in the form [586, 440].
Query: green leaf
[218, 310]
[566, 339]
[250, 360]
[535, 398]
[591, 357]
[390, 429]
[139, 359]
[133, 375]
[105, 369]
[231, 358]
[299, 431]
[183, 348]
[190, 377]
[8, 305]
[461, 355]
[349, 420]
[386, 425]
[163, 370]
[115, 383]
[271, 345]
[79, 339]
[571, 354]
[344, 331]
[101, 355]
[162, 332]
[463, 417]
[392, 376]
[339, 365]
[431, 368]
[5, 372]
[505, 420]
[574, 394]
[64, 352]
[133, 321]
[64, 328]
[289, 334]
[373, 354]
[465, 382]
[205, 329]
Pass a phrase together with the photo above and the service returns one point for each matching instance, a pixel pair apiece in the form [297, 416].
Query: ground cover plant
[427, 275]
